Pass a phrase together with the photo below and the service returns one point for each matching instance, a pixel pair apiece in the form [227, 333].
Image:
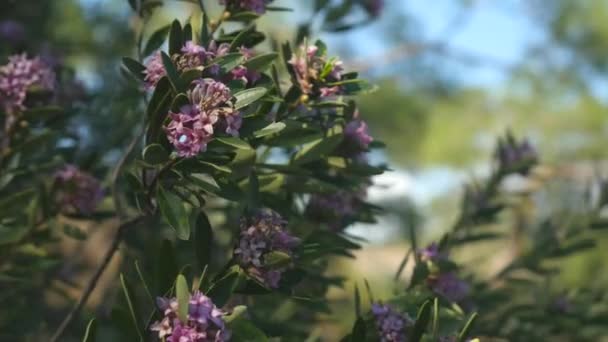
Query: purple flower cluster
[431, 253]
[155, 70]
[210, 110]
[21, 75]
[193, 56]
[315, 73]
[77, 190]
[515, 156]
[12, 31]
[241, 72]
[261, 234]
[204, 324]
[449, 286]
[257, 6]
[334, 209]
[392, 326]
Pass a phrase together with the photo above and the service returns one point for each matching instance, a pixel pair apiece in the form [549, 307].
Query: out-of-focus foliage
[291, 156]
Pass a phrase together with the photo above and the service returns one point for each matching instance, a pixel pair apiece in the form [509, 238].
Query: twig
[115, 242]
[93, 282]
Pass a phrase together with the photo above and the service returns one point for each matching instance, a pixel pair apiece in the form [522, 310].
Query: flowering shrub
[242, 174]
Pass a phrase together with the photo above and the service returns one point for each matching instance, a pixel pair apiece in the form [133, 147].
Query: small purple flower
[315, 73]
[515, 156]
[334, 209]
[210, 111]
[190, 130]
[391, 325]
[356, 131]
[257, 6]
[431, 253]
[209, 94]
[233, 124]
[205, 321]
[330, 91]
[561, 304]
[77, 190]
[155, 70]
[192, 56]
[261, 234]
[21, 75]
[449, 286]
[12, 31]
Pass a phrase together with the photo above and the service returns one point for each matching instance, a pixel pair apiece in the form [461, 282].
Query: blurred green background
[452, 76]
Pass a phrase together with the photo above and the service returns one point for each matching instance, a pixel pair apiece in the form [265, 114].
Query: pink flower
[209, 94]
[190, 130]
[205, 322]
[449, 286]
[261, 234]
[77, 190]
[155, 70]
[391, 325]
[357, 132]
[21, 75]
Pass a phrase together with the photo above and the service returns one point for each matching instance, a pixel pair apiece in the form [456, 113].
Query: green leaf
[14, 203]
[160, 96]
[244, 16]
[318, 149]
[187, 33]
[464, 333]
[156, 40]
[90, 334]
[277, 259]
[179, 101]
[190, 75]
[243, 330]
[134, 67]
[175, 37]
[203, 240]
[357, 301]
[130, 299]
[74, 232]
[261, 62]
[221, 290]
[205, 36]
[228, 61]
[435, 323]
[238, 312]
[173, 210]
[422, 321]
[234, 142]
[248, 96]
[241, 37]
[155, 154]
[172, 73]
[574, 247]
[273, 128]
[182, 293]
[165, 267]
[359, 332]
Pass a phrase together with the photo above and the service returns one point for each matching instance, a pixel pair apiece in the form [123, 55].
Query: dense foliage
[248, 158]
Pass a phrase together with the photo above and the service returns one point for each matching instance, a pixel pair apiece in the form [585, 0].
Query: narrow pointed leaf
[248, 96]
[203, 240]
[182, 293]
[173, 210]
[90, 334]
[156, 40]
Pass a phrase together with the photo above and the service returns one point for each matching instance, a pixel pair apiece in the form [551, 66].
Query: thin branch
[98, 273]
[115, 242]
